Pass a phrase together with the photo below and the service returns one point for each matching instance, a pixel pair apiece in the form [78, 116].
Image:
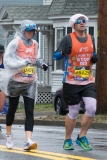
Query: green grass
[49, 107]
[38, 107]
[97, 118]
[101, 118]
[44, 107]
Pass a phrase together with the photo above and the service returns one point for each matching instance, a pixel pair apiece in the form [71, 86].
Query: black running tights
[29, 107]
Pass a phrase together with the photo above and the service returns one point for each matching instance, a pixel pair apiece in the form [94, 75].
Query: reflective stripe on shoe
[83, 142]
[68, 145]
[30, 145]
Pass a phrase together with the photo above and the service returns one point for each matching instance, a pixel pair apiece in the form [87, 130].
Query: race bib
[82, 73]
[29, 70]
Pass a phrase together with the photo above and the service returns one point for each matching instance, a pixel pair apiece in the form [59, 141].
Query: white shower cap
[73, 19]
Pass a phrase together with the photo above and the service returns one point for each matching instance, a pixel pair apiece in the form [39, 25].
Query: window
[58, 36]
[69, 30]
[90, 30]
[41, 45]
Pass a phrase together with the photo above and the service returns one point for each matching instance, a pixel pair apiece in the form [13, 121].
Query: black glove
[94, 59]
[66, 51]
[45, 67]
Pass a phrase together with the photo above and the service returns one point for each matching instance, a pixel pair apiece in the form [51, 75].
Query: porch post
[46, 53]
[6, 34]
[50, 54]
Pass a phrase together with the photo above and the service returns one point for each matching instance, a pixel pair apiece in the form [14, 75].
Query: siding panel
[56, 80]
[47, 2]
[31, 2]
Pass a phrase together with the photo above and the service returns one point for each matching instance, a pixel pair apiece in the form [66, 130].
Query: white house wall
[56, 80]
[47, 2]
[46, 58]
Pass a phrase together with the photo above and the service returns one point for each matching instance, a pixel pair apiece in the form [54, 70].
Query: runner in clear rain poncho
[20, 78]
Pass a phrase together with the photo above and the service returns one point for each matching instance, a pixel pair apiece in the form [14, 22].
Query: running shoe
[29, 145]
[68, 145]
[9, 141]
[84, 143]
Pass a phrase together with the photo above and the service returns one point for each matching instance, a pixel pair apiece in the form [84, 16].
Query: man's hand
[45, 67]
[94, 58]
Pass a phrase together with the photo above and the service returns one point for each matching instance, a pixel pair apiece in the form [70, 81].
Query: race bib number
[29, 70]
[82, 73]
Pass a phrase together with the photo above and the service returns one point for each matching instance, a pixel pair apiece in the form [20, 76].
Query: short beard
[81, 31]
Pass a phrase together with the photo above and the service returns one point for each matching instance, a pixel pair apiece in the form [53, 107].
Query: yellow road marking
[43, 154]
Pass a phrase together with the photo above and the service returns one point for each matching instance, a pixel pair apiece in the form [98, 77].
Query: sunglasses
[80, 21]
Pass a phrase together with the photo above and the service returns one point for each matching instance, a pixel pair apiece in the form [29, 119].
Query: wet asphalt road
[50, 142]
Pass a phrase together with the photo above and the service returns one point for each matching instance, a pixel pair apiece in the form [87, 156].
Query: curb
[56, 123]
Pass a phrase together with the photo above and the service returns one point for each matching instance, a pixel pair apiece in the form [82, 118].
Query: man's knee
[73, 111]
[91, 113]
[91, 108]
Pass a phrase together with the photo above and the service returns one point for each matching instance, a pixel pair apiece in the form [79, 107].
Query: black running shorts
[73, 93]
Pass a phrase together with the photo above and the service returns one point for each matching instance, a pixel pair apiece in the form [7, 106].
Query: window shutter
[63, 31]
[37, 35]
[91, 31]
[69, 30]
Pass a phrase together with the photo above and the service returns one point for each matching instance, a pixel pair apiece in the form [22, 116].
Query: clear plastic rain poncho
[14, 64]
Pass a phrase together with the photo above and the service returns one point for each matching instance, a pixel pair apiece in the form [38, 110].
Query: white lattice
[44, 97]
